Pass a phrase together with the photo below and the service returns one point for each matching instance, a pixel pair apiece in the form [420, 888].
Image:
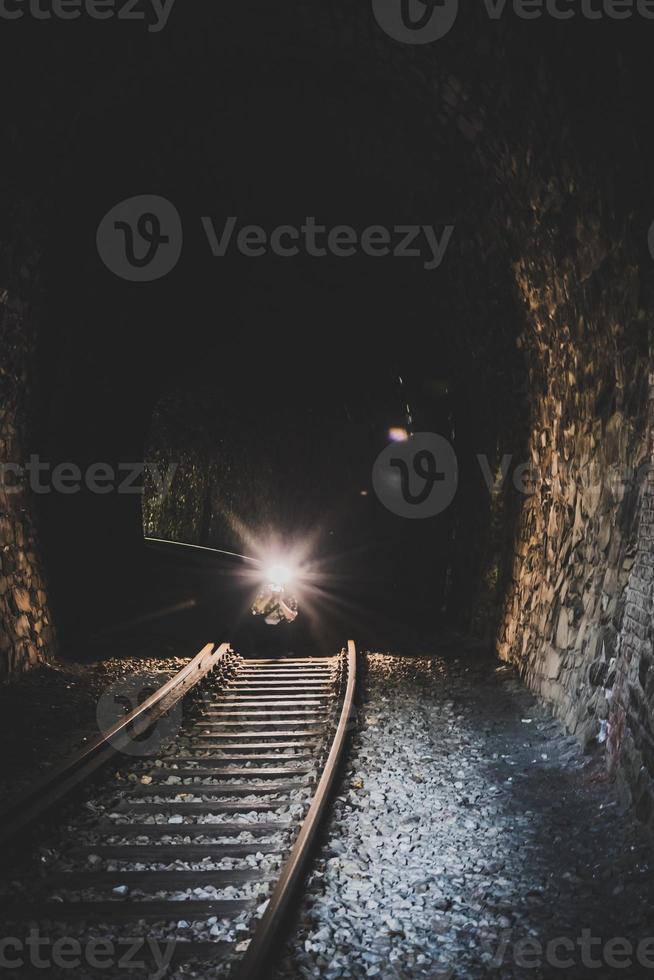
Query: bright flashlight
[280, 575]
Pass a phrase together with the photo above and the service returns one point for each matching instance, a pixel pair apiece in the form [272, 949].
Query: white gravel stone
[434, 852]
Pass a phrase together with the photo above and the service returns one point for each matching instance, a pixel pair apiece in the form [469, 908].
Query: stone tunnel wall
[26, 632]
[628, 677]
[577, 618]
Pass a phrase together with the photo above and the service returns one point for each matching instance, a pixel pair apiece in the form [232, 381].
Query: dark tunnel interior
[309, 361]
[299, 358]
[279, 287]
[519, 159]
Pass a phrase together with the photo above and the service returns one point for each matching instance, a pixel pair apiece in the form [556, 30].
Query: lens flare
[279, 574]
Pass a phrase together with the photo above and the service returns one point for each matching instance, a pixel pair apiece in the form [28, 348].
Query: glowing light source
[279, 564]
[280, 575]
[398, 434]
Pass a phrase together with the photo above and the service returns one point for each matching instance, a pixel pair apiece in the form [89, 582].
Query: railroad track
[205, 843]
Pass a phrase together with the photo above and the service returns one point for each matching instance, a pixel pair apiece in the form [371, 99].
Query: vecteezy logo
[650, 239]
[417, 478]
[140, 239]
[124, 696]
[415, 21]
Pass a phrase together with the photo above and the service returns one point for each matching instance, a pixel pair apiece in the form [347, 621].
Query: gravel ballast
[467, 827]
[467, 832]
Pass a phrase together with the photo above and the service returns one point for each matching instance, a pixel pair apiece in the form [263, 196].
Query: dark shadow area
[284, 371]
[281, 375]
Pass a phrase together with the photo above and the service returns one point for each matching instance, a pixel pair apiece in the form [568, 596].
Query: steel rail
[51, 788]
[274, 788]
[256, 961]
[200, 547]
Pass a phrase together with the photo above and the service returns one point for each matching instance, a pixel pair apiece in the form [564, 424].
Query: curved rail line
[33, 804]
[260, 758]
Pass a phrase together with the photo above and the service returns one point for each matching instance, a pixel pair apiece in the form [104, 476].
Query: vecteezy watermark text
[566, 953]
[425, 21]
[140, 239]
[155, 12]
[418, 477]
[68, 478]
[67, 953]
[342, 241]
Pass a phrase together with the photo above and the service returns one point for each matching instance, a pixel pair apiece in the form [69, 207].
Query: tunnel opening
[349, 317]
[293, 457]
[527, 346]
